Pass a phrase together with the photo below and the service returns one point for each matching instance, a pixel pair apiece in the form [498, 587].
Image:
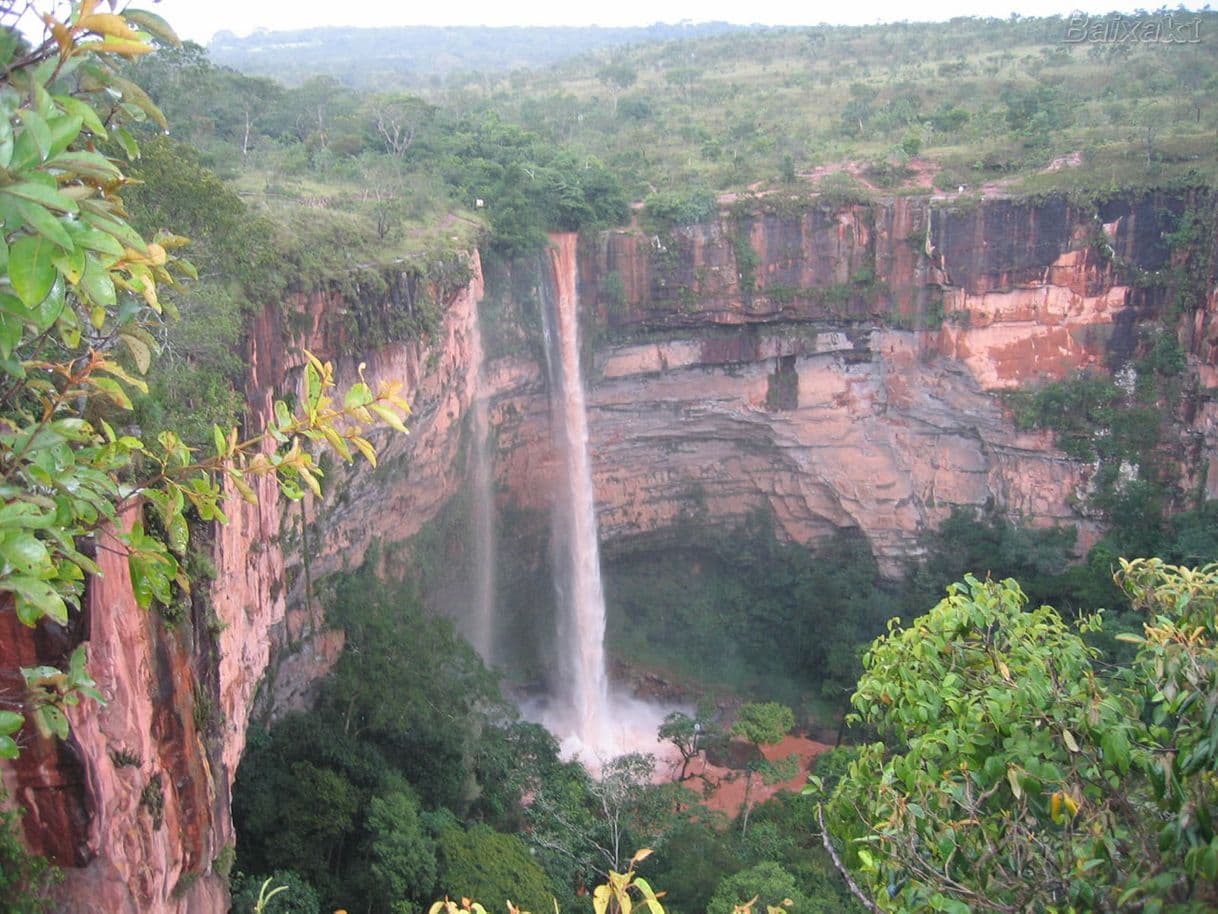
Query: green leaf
[10, 722]
[37, 129]
[42, 195]
[99, 241]
[35, 598]
[13, 368]
[10, 334]
[24, 552]
[96, 214]
[64, 129]
[48, 311]
[96, 284]
[359, 395]
[179, 534]
[389, 417]
[8, 748]
[71, 263]
[40, 219]
[111, 389]
[127, 141]
[6, 142]
[87, 165]
[68, 327]
[85, 112]
[30, 268]
[138, 97]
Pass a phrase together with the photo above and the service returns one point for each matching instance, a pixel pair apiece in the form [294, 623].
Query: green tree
[690, 735]
[442, 693]
[497, 868]
[1015, 776]
[297, 897]
[401, 855]
[692, 861]
[398, 120]
[768, 885]
[1176, 678]
[618, 76]
[762, 724]
[311, 810]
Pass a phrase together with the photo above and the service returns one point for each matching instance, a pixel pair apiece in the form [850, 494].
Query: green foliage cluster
[1078, 409]
[993, 546]
[480, 862]
[769, 883]
[1124, 424]
[1015, 774]
[194, 386]
[366, 796]
[682, 206]
[25, 878]
[381, 173]
[1046, 562]
[704, 867]
[297, 897]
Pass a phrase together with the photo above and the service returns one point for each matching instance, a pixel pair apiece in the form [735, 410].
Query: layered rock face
[770, 372]
[837, 367]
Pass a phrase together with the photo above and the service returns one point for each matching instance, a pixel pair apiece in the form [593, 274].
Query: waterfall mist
[482, 512]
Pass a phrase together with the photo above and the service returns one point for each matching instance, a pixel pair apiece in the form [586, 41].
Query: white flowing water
[581, 712]
[482, 513]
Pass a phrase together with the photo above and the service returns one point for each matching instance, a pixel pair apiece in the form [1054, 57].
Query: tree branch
[837, 862]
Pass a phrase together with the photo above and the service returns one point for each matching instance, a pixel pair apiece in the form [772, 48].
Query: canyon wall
[135, 806]
[838, 367]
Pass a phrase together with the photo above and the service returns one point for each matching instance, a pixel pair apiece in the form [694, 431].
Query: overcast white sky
[198, 20]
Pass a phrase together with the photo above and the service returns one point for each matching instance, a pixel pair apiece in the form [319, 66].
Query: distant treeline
[362, 57]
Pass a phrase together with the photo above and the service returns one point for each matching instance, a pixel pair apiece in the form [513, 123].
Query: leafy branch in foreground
[79, 305]
[1016, 773]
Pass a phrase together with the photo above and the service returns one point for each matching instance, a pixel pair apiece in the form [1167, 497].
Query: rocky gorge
[835, 366]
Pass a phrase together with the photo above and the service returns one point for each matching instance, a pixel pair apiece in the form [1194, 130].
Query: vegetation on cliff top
[972, 101]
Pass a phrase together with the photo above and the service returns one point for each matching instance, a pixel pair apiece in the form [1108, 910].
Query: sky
[198, 20]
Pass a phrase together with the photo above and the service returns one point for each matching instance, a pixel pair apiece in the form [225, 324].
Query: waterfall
[581, 602]
[482, 511]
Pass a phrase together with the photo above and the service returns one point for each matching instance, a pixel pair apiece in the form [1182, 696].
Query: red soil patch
[728, 783]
